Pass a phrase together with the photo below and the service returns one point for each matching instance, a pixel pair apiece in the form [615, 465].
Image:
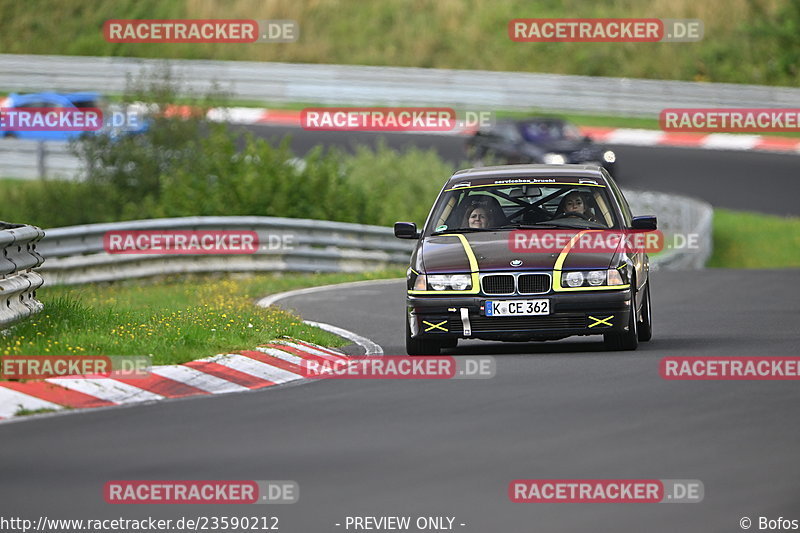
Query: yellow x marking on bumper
[598, 321]
[435, 326]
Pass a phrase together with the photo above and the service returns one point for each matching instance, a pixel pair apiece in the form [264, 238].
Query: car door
[39, 101]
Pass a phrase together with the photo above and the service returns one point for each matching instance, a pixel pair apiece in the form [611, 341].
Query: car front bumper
[578, 313]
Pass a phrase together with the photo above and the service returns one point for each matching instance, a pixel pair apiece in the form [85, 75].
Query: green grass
[25, 412]
[745, 41]
[752, 240]
[174, 320]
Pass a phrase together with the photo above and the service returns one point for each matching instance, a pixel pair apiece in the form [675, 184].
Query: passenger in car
[477, 217]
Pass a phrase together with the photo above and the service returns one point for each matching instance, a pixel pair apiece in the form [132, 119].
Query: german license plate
[517, 307]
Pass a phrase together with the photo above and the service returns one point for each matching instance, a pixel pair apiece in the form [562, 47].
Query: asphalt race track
[449, 448]
[748, 181]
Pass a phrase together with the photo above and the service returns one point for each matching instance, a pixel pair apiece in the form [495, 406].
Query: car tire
[450, 343]
[420, 346]
[646, 325]
[627, 340]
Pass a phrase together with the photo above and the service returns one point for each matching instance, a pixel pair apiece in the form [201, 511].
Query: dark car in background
[547, 140]
[469, 279]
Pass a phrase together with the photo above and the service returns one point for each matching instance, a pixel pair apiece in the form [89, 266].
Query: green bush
[208, 175]
[185, 165]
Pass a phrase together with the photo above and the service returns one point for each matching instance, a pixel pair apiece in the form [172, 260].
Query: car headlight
[596, 277]
[593, 278]
[439, 282]
[609, 156]
[574, 279]
[443, 282]
[554, 159]
[460, 282]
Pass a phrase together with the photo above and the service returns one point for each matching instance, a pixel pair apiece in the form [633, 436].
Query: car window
[506, 206]
[540, 131]
[85, 104]
[36, 104]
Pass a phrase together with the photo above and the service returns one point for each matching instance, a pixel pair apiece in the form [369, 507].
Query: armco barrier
[76, 255]
[29, 159]
[681, 216]
[18, 256]
[361, 85]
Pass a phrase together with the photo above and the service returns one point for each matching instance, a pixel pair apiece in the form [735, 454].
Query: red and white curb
[623, 136]
[710, 141]
[268, 365]
[281, 361]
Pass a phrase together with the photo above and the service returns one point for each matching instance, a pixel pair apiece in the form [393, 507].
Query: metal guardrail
[361, 85]
[677, 216]
[18, 256]
[29, 159]
[76, 254]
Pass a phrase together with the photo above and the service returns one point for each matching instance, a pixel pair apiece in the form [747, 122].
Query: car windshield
[538, 131]
[522, 205]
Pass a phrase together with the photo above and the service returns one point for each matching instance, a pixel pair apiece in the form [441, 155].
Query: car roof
[72, 97]
[537, 173]
[529, 120]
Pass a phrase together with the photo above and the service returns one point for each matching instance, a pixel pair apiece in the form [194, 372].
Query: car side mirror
[406, 230]
[647, 222]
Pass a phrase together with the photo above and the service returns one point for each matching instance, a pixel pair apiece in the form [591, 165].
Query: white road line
[370, 347]
[106, 389]
[272, 299]
[191, 376]
[12, 401]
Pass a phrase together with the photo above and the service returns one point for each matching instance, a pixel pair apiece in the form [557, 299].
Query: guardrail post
[40, 166]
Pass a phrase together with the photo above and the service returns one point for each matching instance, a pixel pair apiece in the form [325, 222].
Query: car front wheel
[627, 340]
[420, 346]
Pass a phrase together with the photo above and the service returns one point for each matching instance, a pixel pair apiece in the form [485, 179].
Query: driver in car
[573, 204]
